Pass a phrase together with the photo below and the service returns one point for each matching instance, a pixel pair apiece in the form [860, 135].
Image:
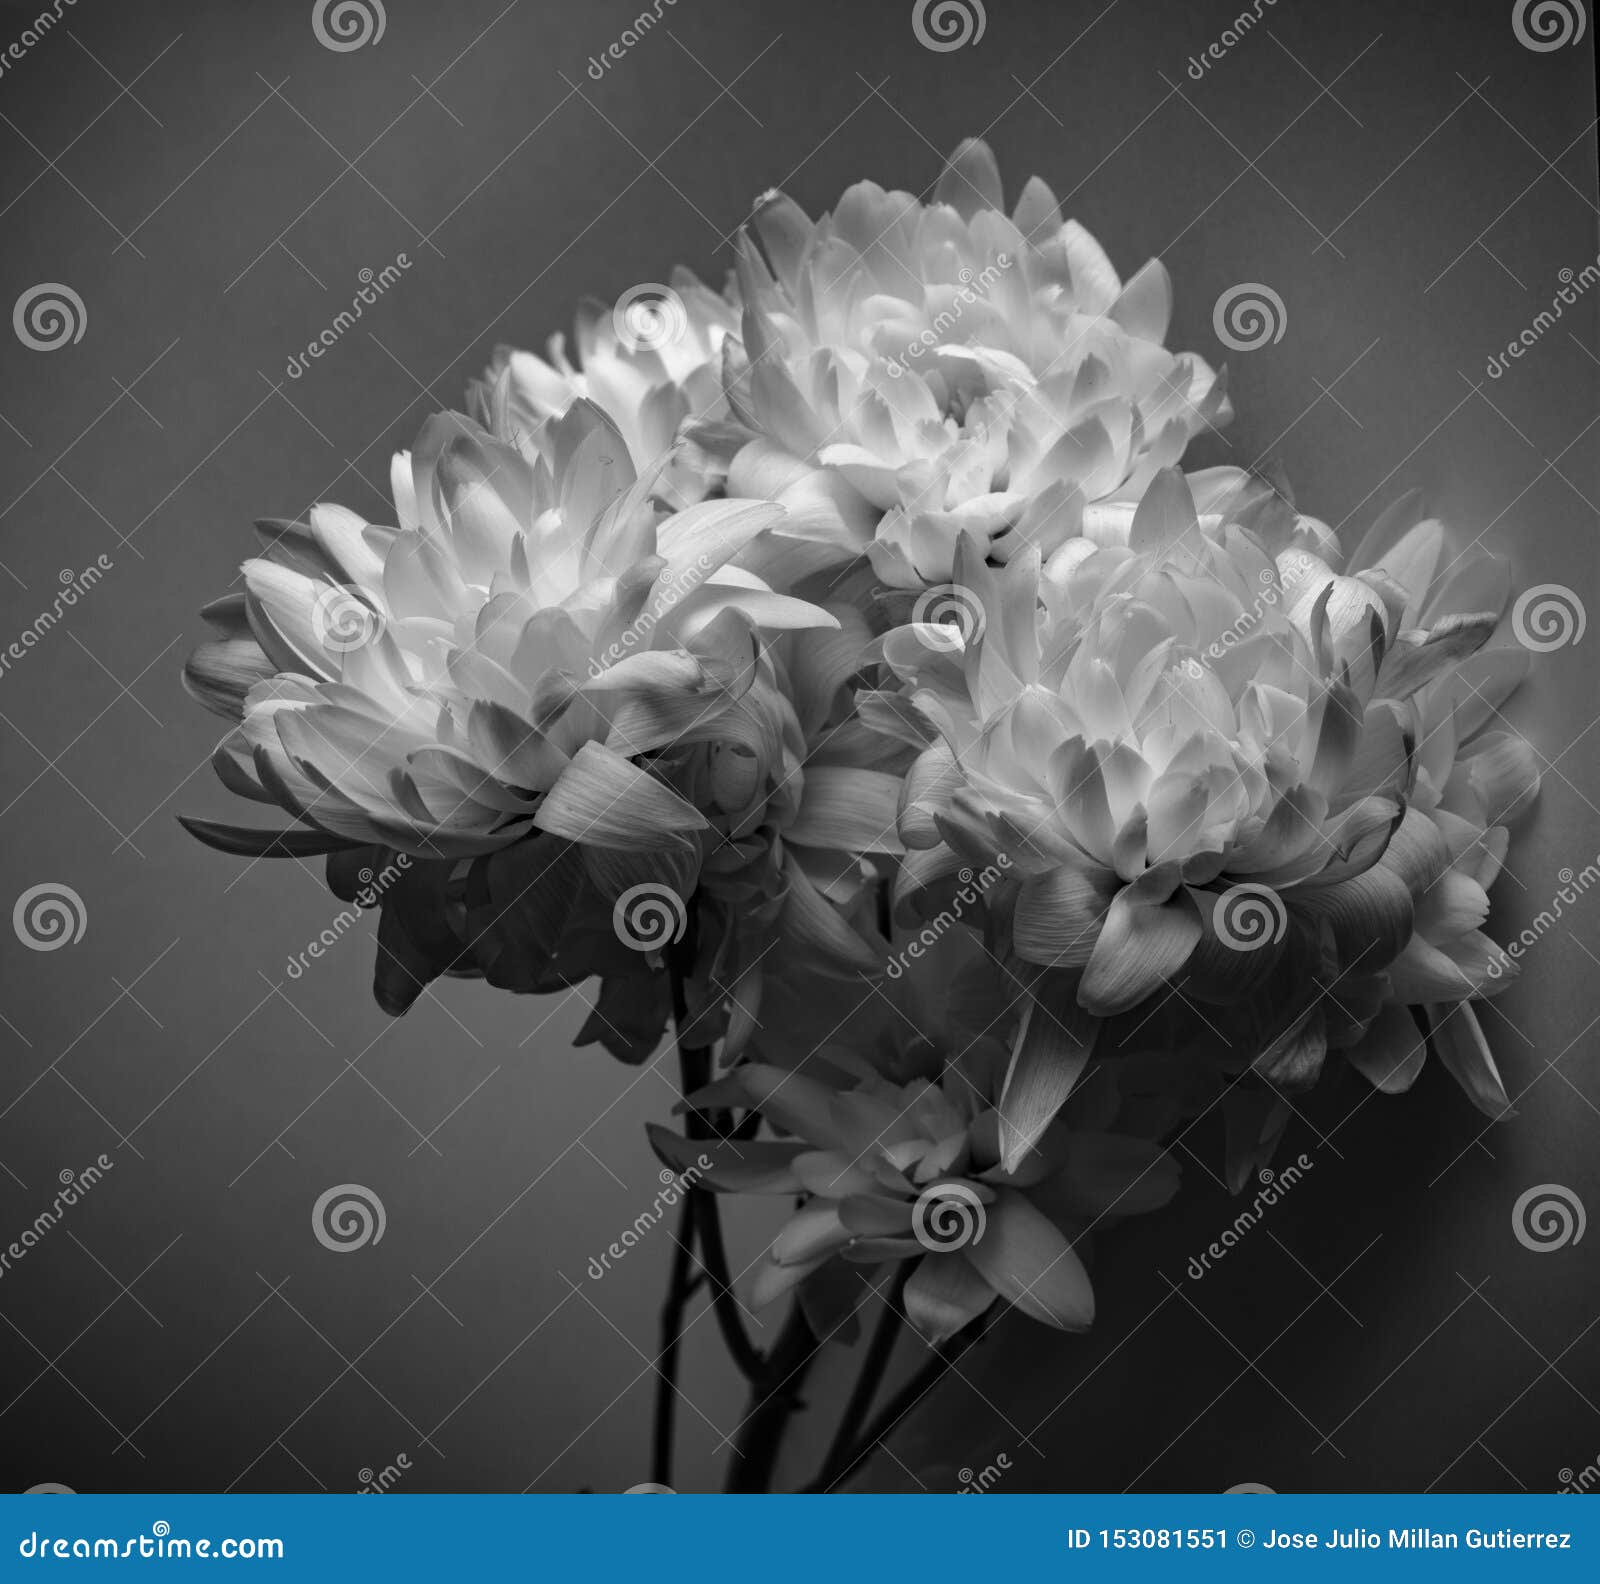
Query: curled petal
[219, 674]
[1059, 915]
[1053, 1046]
[1503, 774]
[1148, 936]
[608, 801]
[944, 1295]
[1458, 1038]
[848, 810]
[1023, 1255]
[1392, 1052]
[1417, 660]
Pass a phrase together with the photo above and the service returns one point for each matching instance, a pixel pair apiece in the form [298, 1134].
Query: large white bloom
[652, 363]
[1217, 766]
[950, 369]
[497, 663]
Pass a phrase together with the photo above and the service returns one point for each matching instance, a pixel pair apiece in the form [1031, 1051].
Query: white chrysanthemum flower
[1216, 765]
[951, 370]
[889, 1142]
[652, 363]
[498, 662]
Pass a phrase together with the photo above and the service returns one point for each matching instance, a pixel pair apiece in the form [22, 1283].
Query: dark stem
[714, 1261]
[772, 1399]
[898, 1407]
[695, 1068]
[700, 1222]
[679, 1286]
[881, 1348]
[695, 1065]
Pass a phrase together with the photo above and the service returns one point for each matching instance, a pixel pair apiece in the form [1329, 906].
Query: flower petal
[944, 1295]
[1146, 939]
[849, 810]
[1392, 1052]
[609, 801]
[1023, 1255]
[759, 1166]
[1053, 1046]
[1459, 1040]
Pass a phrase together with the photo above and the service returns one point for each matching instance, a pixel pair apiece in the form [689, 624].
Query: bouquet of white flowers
[841, 670]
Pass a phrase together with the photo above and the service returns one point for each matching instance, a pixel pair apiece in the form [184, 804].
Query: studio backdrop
[259, 1234]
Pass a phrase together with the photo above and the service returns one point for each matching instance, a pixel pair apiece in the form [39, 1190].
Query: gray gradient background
[184, 168]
